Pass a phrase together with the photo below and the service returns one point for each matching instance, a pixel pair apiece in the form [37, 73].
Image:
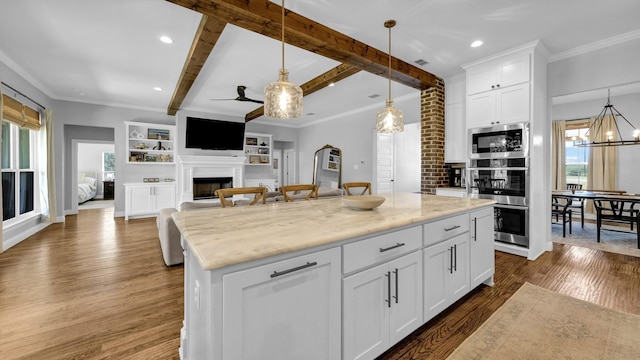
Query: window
[19, 188]
[576, 158]
[108, 166]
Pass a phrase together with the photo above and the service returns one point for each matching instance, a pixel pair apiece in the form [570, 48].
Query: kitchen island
[314, 279]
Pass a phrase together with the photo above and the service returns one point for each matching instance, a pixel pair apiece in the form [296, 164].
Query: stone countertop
[220, 237]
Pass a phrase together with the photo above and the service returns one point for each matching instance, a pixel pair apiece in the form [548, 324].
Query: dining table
[611, 206]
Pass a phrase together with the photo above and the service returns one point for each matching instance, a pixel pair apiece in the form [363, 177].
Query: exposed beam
[264, 17]
[205, 39]
[334, 75]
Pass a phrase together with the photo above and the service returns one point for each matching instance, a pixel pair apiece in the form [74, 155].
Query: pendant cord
[282, 26]
[389, 63]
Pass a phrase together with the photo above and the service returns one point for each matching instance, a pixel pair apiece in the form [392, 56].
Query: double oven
[498, 169]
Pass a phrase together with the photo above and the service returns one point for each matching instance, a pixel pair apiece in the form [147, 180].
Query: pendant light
[282, 99]
[390, 119]
[599, 134]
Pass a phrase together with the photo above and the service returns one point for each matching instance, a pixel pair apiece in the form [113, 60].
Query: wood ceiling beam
[205, 39]
[264, 17]
[334, 75]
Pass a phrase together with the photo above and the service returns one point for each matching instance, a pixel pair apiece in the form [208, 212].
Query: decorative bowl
[362, 202]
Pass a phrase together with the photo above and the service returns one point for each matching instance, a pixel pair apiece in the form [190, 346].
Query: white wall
[600, 69]
[628, 156]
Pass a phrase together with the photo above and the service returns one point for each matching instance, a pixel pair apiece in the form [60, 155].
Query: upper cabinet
[150, 143]
[498, 74]
[499, 90]
[455, 132]
[258, 148]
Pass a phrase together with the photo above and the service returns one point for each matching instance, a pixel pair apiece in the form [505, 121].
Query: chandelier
[390, 119]
[282, 99]
[602, 134]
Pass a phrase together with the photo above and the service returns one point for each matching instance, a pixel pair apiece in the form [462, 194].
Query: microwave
[502, 141]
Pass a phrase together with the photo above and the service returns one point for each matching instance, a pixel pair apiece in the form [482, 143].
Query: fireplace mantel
[195, 166]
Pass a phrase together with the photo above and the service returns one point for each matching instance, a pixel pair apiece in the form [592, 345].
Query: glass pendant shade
[282, 99]
[390, 119]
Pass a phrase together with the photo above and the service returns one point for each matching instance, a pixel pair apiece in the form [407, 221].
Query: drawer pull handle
[392, 247]
[388, 301]
[284, 272]
[452, 228]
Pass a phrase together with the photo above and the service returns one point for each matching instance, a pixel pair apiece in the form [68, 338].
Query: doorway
[95, 169]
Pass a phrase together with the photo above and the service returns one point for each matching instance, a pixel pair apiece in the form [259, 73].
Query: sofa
[170, 236]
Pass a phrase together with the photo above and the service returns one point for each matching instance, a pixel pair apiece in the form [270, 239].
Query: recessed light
[476, 43]
[332, 84]
[157, 88]
[165, 39]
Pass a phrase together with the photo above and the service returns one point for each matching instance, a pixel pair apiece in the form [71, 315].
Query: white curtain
[47, 168]
[1, 214]
[603, 160]
[558, 156]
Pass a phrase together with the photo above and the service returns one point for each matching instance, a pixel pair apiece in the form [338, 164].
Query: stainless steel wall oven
[498, 169]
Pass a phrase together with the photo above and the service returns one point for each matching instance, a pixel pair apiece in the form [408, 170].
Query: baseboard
[16, 239]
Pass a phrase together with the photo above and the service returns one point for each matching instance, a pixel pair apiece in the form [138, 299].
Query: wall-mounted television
[214, 134]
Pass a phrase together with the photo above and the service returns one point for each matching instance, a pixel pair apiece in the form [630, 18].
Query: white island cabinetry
[350, 291]
[296, 302]
[481, 240]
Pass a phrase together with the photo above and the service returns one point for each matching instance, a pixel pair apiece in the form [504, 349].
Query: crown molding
[584, 49]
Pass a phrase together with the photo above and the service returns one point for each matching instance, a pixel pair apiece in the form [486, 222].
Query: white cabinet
[498, 74]
[146, 199]
[258, 148]
[481, 239]
[284, 310]
[455, 132]
[498, 91]
[504, 106]
[382, 305]
[150, 143]
[446, 274]
[455, 192]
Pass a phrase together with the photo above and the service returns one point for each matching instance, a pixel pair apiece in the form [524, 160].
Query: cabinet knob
[498, 85]
[493, 87]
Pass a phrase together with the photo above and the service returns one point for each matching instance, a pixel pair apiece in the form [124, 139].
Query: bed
[87, 185]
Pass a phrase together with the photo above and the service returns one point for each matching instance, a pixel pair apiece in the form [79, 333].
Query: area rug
[615, 239]
[537, 323]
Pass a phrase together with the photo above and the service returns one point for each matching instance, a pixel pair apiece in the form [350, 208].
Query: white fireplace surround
[200, 166]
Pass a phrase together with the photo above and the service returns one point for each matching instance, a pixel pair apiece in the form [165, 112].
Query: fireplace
[205, 188]
[194, 170]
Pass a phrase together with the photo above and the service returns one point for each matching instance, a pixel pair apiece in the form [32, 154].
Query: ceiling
[108, 52]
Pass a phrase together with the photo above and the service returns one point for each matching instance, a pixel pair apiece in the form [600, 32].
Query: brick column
[434, 172]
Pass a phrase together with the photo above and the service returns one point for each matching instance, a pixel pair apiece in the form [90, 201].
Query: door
[406, 309]
[481, 248]
[277, 167]
[459, 283]
[165, 196]
[289, 170]
[285, 310]
[384, 164]
[365, 313]
[437, 270]
[512, 104]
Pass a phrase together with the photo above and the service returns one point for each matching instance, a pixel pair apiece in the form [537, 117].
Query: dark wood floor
[96, 288]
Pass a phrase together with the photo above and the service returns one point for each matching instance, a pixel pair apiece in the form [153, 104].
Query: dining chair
[259, 192]
[617, 211]
[579, 205]
[291, 192]
[560, 207]
[366, 187]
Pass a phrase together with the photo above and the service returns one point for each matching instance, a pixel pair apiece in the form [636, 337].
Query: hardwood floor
[96, 288]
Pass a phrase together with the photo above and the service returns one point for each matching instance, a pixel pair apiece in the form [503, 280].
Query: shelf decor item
[251, 141]
[158, 134]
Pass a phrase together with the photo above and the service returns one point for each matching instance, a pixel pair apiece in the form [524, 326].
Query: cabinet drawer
[380, 248]
[445, 229]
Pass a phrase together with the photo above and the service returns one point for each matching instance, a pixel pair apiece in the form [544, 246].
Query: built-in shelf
[150, 143]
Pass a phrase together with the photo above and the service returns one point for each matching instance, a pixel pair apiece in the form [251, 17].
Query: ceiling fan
[241, 96]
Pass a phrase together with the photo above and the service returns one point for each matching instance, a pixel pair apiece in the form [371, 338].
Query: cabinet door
[285, 310]
[139, 200]
[514, 70]
[481, 109]
[512, 104]
[437, 270]
[365, 313]
[481, 78]
[481, 248]
[459, 279]
[455, 133]
[165, 196]
[406, 307]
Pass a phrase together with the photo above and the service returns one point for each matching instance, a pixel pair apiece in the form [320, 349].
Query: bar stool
[260, 192]
[366, 186]
[311, 188]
